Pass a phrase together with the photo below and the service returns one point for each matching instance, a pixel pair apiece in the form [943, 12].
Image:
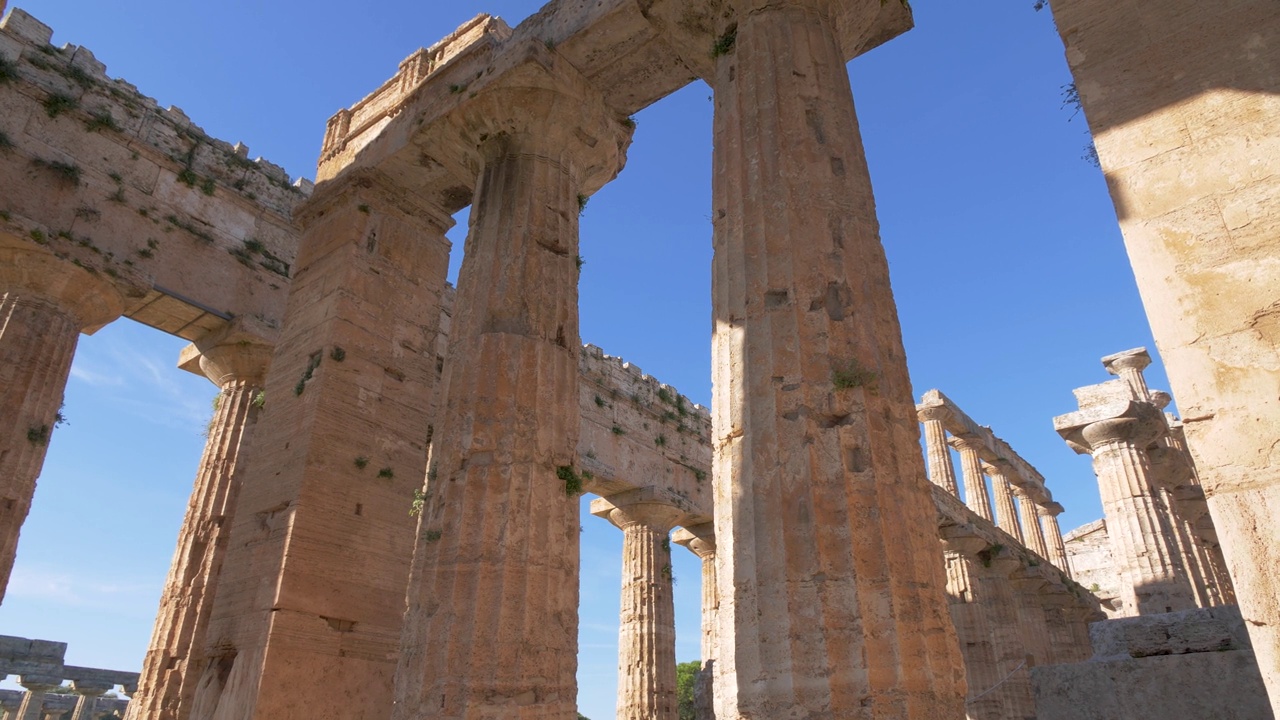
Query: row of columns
[1033, 525]
[1163, 566]
[33, 704]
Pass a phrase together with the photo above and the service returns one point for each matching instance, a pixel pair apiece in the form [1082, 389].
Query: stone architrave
[237, 364]
[1032, 534]
[1053, 536]
[975, 482]
[492, 623]
[310, 601]
[1116, 434]
[701, 540]
[45, 303]
[647, 627]
[832, 586]
[942, 471]
[1006, 516]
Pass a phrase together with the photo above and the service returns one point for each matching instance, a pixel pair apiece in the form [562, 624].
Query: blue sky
[1007, 265]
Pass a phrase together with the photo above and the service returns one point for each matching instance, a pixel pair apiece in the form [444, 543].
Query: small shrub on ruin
[188, 177]
[419, 501]
[362, 462]
[726, 42]
[8, 71]
[582, 203]
[432, 535]
[660, 441]
[5, 143]
[66, 172]
[208, 187]
[38, 435]
[338, 354]
[853, 375]
[57, 103]
[572, 482]
[363, 208]
[616, 430]
[386, 472]
[101, 120]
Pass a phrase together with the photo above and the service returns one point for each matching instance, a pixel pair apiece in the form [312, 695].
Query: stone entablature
[40, 669]
[187, 227]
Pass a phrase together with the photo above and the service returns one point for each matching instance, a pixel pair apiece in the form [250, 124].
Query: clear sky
[1007, 265]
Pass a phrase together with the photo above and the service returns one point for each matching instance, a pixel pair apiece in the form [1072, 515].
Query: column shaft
[647, 629]
[974, 635]
[37, 341]
[493, 601]
[166, 687]
[1057, 548]
[941, 470]
[1144, 553]
[1033, 535]
[1006, 516]
[994, 592]
[831, 580]
[975, 483]
[85, 706]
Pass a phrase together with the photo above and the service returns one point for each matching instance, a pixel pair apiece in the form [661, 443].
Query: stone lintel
[991, 449]
[94, 676]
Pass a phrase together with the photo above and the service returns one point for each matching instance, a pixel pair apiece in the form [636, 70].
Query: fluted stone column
[970, 618]
[1144, 553]
[941, 470]
[33, 702]
[44, 305]
[9, 708]
[1006, 516]
[647, 628]
[701, 540]
[975, 483]
[492, 624]
[1028, 583]
[1032, 534]
[87, 702]
[166, 689]
[1053, 536]
[992, 569]
[816, 440]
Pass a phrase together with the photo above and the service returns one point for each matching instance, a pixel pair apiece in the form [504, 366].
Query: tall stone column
[1033, 535]
[1006, 516]
[701, 540]
[1144, 551]
[1053, 536]
[975, 483]
[970, 618]
[45, 303]
[33, 702]
[995, 593]
[647, 628]
[310, 602]
[492, 624]
[87, 702]
[941, 470]
[1028, 583]
[237, 365]
[832, 600]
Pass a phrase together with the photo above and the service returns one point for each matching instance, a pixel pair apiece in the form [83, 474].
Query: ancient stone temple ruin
[843, 575]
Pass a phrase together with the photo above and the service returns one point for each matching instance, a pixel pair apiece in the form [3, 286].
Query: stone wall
[1091, 565]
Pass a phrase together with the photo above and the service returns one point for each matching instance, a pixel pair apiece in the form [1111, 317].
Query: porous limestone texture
[238, 367]
[1186, 665]
[1089, 550]
[44, 305]
[830, 604]
[1182, 97]
[311, 599]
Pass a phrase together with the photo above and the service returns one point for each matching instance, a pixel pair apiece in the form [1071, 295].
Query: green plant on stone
[664, 395]
[5, 143]
[8, 71]
[386, 472]
[600, 401]
[660, 441]
[38, 435]
[853, 375]
[66, 172]
[582, 203]
[337, 354]
[726, 42]
[617, 430]
[1094, 587]
[188, 177]
[572, 482]
[362, 462]
[57, 103]
[259, 399]
[666, 544]
[432, 535]
[208, 187]
[307, 374]
[101, 120]
[419, 501]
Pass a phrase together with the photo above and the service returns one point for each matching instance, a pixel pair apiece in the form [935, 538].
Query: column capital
[87, 297]
[1053, 509]
[240, 352]
[39, 683]
[698, 539]
[935, 413]
[1137, 360]
[962, 540]
[650, 506]
[966, 443]
[1107, 423]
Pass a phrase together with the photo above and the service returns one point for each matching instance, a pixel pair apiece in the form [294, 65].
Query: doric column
[970, 618]
[815, 435]
[1053, 536]
[975, 483]
[44, 305]
[1128, 366]
[237, 365]
[492, 624]
[1006, 516]
[701, 540]
[996, 596]
[1032, 534]
[87, 700]
[1028, 583]
[647, 623]
[941, 470]
[9, 707]
[1144, 552]
[315, 571]
[33, 702]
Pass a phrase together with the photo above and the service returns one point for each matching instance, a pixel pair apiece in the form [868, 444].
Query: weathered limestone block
[1183, 115]
[310, 602]
[1184, 666]
[815, 432]
[495, 569]
[1117, 433]
[647, 629]
[237, 363]
[44, 305]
